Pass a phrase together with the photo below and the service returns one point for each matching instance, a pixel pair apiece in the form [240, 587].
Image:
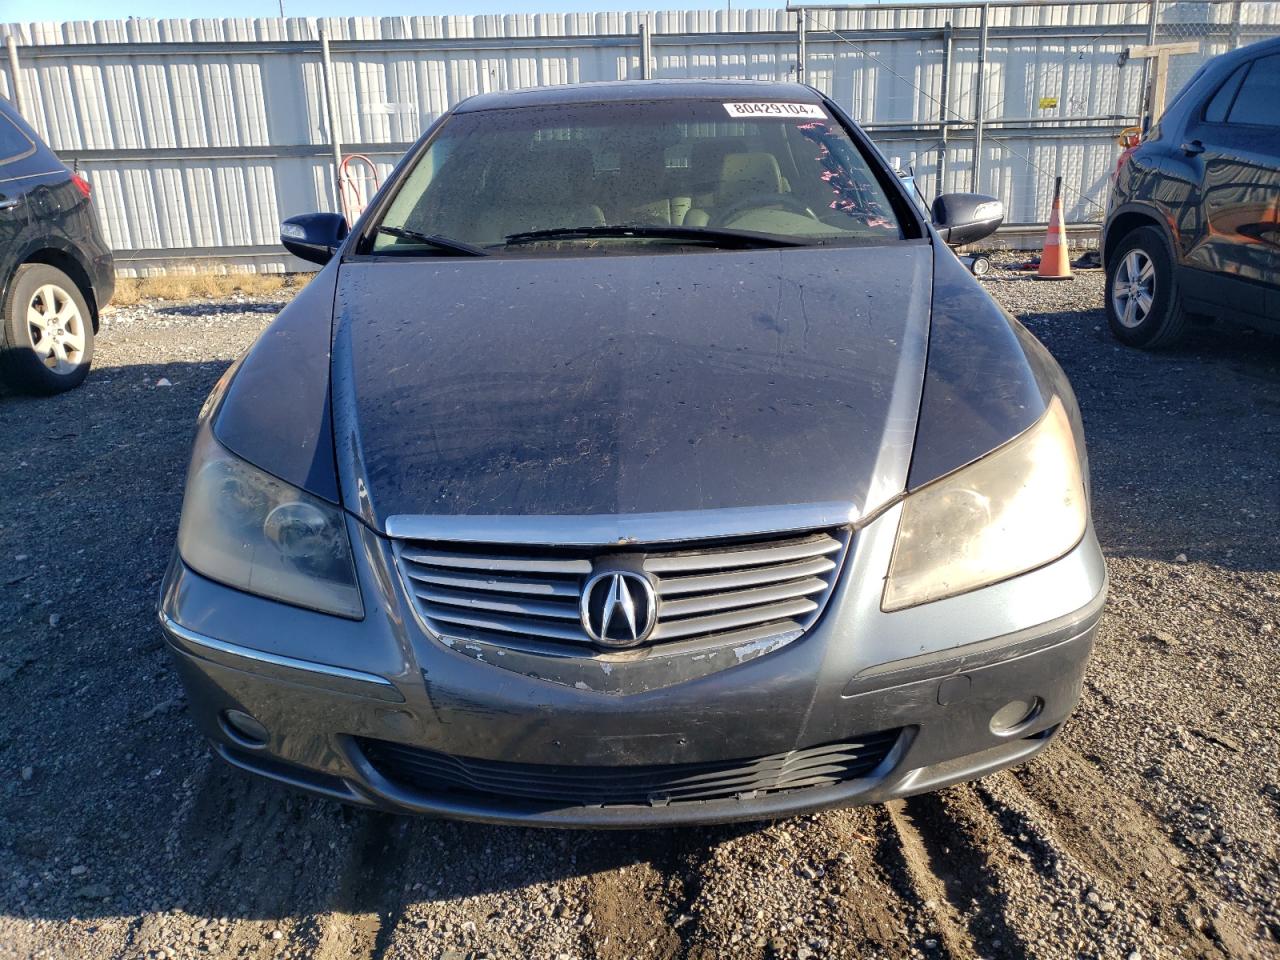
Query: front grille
[731, 591]
[437, 773]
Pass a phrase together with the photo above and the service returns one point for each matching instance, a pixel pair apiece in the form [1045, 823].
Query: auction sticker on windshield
[810, 111]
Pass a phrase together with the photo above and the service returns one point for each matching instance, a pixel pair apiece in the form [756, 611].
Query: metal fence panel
[200, 135]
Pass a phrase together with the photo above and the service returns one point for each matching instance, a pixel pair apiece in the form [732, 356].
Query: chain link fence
[199, 136]
[1216, 26]
[1002, 98]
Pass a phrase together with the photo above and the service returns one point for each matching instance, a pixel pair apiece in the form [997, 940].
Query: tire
[1142, 302]
[980, 266]
[46, 337]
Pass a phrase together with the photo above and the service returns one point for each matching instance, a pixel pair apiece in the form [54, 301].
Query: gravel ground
[1150, 829]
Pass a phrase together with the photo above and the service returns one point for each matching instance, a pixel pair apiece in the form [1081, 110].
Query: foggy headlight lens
[1018, 508]
[243, 527]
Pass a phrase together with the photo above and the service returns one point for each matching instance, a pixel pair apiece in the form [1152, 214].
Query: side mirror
[966, 217]
[314, 237]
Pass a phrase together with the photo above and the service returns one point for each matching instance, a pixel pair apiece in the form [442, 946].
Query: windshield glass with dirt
[548, 178]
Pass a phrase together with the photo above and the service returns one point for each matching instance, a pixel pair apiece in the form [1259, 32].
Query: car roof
[608, 91]
[1211, 73]
[1261, 48]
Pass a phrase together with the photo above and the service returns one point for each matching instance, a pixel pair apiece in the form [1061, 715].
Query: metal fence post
[941, 186]
[801, 53]
[646, 52]
[979, 83]
[331, 116]
[15, 78]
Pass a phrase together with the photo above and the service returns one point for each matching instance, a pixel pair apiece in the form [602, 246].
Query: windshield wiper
[732, 239]
[434, 240]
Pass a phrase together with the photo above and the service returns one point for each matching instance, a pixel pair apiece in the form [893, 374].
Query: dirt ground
[1150, 829]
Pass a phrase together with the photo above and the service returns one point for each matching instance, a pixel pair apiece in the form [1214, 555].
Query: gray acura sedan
[642, 456]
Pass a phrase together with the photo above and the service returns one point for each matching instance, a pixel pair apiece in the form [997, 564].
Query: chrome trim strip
[204, 646]
[973, 657]
[29, 176]
[602, 530]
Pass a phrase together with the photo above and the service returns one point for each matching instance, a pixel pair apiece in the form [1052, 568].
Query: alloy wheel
[1133, 289]
[56, 329]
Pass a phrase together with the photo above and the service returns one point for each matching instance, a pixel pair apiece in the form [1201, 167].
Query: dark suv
[55, 269]
[1193, 223]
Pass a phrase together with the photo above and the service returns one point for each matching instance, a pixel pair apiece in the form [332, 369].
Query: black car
[1193, 223]
[56, 272]
[647, 458]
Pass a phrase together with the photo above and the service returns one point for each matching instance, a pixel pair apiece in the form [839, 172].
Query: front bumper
[322, 686]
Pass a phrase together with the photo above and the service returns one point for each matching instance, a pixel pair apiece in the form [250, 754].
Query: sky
[17, 11]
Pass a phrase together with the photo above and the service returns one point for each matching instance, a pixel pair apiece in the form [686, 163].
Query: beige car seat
[742, 175]
[643, 191]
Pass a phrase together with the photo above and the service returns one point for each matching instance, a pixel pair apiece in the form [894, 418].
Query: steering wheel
[761, 201]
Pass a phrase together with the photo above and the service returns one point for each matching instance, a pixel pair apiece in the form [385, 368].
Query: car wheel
[47, 332]
[1142, 292]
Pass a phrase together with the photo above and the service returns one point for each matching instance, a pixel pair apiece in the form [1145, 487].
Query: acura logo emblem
[619, 608]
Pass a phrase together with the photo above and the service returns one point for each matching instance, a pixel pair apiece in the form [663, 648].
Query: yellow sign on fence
[1048, 103]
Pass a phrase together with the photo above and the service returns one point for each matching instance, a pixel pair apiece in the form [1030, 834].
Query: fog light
[1015, 715]
[243, 729]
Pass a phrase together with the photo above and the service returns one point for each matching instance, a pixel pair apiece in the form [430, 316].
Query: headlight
[1018, 508]
[243, 527]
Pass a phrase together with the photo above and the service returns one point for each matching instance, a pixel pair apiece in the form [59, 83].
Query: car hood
[621, 385]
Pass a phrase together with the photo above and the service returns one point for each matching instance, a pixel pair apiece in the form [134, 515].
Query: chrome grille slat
[747, 557]
[521, 626]
[672, 629]
[753, 576]
[467, 561]
[462, 581]
[709, 593]
[500, 604]
[735, 599]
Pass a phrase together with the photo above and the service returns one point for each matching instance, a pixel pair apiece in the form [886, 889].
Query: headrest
[742, 174]
[705, 160]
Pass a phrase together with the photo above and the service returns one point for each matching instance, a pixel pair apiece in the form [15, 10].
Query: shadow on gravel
[402, 861]
[249, 849]
[1184, 445]
[963, 864]
[221, 307]
[110, 804]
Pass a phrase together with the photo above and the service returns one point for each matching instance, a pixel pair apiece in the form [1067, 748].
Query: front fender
[275, 412]
[986, 380]
[1129, 216]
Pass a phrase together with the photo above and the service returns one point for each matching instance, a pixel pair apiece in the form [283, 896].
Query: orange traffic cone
[1054, 262]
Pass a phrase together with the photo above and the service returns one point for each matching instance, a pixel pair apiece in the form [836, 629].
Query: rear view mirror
[314, 237]
[966, 217]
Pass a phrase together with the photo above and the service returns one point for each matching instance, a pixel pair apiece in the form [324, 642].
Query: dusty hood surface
[628, 384]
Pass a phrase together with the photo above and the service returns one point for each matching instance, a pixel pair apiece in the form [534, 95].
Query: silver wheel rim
[56, 329]
[1133, 290]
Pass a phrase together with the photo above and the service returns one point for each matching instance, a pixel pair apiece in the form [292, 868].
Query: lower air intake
[557, 785]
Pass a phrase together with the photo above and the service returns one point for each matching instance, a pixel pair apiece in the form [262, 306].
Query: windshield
[703, 168]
